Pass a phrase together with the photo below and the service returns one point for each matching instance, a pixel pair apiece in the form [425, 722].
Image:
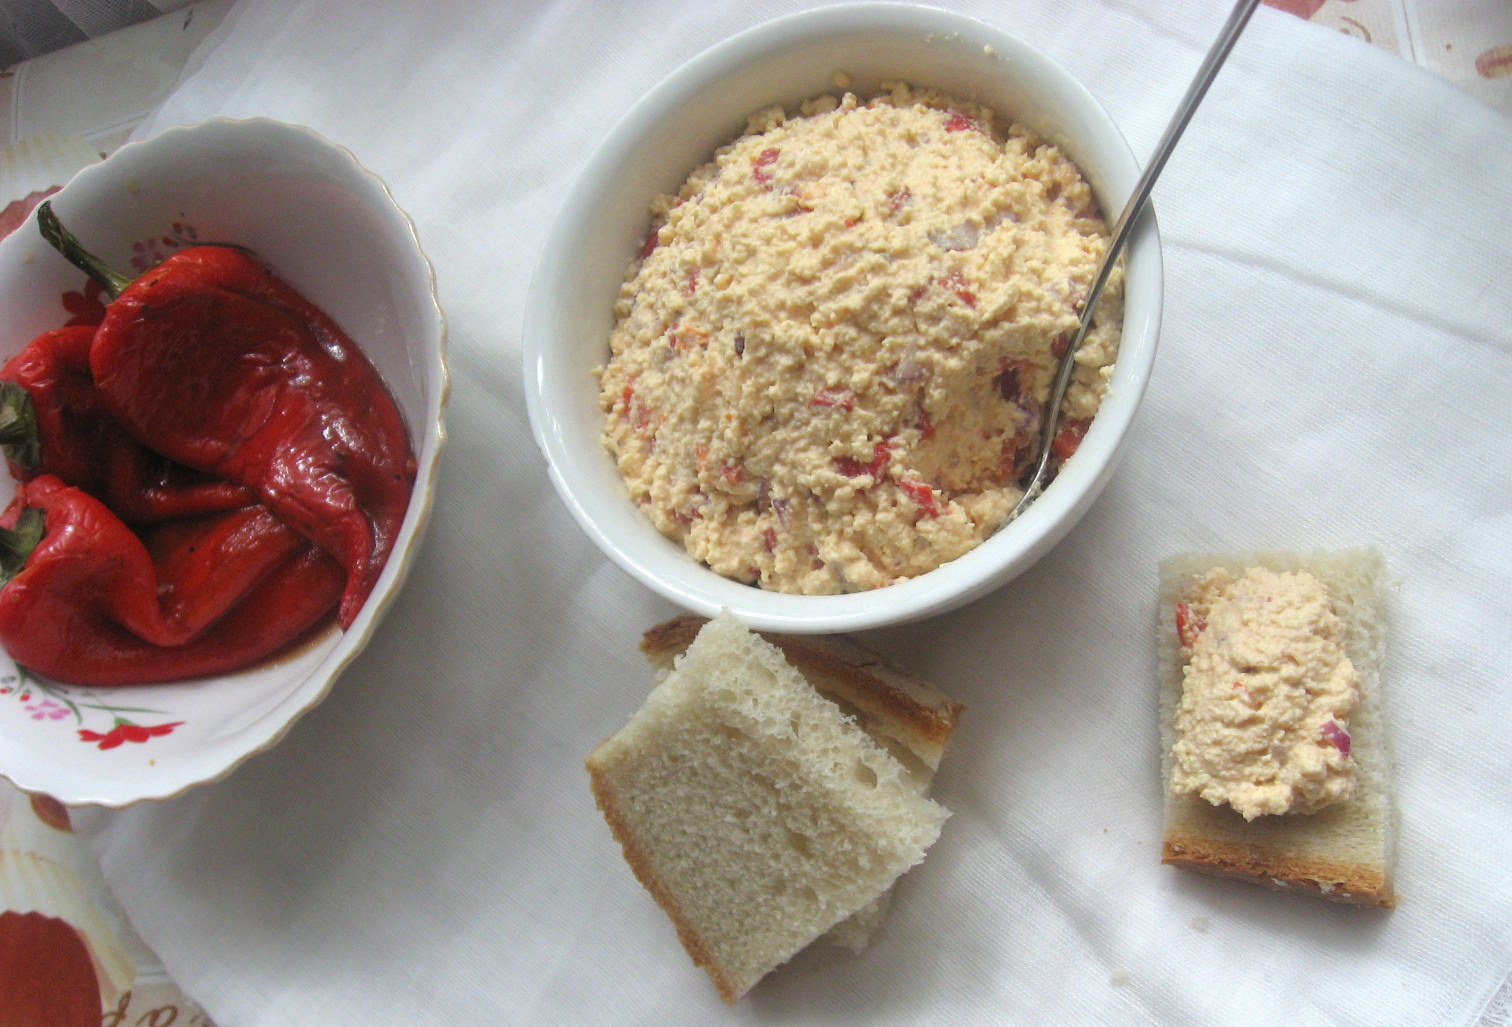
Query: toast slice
[911, 719]
[756, 811]
[1344, 851]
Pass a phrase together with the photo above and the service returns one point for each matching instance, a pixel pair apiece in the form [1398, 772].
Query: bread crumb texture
[755, 811]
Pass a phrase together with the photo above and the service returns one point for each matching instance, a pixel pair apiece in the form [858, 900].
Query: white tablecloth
[1335, 369]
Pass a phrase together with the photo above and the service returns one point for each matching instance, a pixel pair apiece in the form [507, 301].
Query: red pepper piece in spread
[1336, 736]
[1069, 439]
[834, 396]
[211, 361]
[87, 601]
[1015, 454]
[760, 166]
[53, 421]
[922, 494]
[853, 468]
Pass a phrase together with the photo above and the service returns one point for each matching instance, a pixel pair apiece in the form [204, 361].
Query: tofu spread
[831, 354]
[1267, 693]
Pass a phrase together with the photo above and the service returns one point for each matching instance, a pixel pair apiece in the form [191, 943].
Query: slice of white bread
[911, 719]
[1344, 851]
[756, 812]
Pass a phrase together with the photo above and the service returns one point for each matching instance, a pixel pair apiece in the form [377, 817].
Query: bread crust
[882, 697]
[1342, 853]
[1329, 879]
[643, 868]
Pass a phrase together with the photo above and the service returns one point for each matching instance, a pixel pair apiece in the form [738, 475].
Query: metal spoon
[1122, 229]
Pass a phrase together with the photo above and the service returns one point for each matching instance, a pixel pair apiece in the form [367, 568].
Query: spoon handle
[1123, 227]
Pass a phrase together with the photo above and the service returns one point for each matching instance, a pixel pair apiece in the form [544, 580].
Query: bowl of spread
[223, 386]
[788, 339]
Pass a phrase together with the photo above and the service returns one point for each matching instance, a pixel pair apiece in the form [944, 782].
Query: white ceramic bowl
[328, 227]
[675, 128]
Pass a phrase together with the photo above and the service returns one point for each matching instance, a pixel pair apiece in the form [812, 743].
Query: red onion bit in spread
[910, 370]
[960, 121]
[764, 501]
[964, 236]
[1012, 378]
[926, 426]
[1336, 736]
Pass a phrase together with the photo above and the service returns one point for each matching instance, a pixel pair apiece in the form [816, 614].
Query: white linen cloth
[1335, 369]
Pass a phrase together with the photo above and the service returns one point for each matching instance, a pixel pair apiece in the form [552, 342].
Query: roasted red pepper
[85, 600]
[211, 361]
[54, 421]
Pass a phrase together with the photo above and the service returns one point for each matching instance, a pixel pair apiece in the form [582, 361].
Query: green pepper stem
[17, 544]
[64, 242]
[18, 426]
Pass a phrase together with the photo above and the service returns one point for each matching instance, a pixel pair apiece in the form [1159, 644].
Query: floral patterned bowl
[328, 227]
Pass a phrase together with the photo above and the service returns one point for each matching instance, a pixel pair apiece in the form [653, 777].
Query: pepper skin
[94, 604]
[72, 435]
[213, 362]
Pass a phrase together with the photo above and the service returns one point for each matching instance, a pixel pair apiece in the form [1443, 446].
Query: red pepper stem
[62, 240]
[16, 544]
[18, 426]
